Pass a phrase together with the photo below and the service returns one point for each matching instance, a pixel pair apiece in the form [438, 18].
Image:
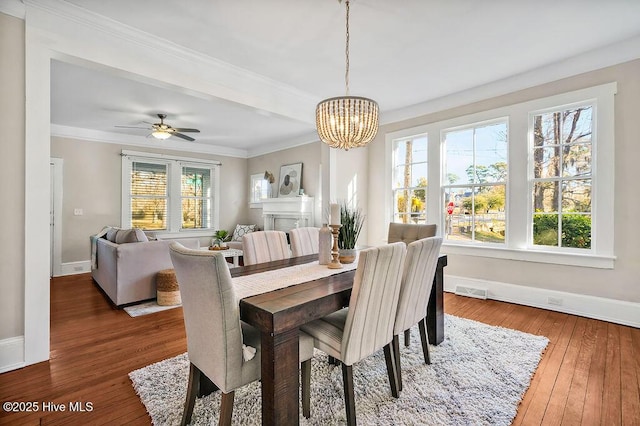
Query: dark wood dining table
[278, 315]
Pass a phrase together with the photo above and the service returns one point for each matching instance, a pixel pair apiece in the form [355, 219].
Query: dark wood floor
[589, 374]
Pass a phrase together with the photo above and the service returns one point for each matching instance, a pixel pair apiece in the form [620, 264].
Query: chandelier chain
[346, 73]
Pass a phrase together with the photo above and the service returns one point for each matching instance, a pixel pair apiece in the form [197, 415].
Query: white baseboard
[11, 354]
[73, 268]
[611, 310]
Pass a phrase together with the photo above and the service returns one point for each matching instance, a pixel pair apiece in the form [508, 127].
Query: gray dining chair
[304, 241]
[417, 280]
[265, 246]
[218, 343]
[366, 326]
[408, 233]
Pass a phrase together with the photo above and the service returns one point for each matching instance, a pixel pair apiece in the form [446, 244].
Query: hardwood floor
[589, 374]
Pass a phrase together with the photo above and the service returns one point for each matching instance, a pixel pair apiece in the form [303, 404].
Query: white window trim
[174, 205]
[519, 202]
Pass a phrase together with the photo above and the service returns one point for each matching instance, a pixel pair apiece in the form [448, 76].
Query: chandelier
[347, 121]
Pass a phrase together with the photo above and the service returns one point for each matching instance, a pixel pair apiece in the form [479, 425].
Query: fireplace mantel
[283, 214]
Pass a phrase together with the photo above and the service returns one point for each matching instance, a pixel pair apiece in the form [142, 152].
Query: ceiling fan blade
[132, 127]
[180, 129]
[185, 137]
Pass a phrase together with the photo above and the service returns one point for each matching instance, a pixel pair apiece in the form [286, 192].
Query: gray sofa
[127, 272]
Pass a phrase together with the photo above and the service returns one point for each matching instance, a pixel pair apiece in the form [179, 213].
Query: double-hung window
[475, 185]
[410, 179]
[561, 164]
[169, 194]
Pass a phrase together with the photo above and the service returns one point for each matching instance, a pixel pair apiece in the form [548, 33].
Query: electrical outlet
[554, 301]
[78, 212]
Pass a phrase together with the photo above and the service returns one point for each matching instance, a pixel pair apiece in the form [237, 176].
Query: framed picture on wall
[290, 179]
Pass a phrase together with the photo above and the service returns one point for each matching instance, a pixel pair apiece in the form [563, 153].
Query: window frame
[395, 164]
[519, 239]
[175, 165]
[505, 183]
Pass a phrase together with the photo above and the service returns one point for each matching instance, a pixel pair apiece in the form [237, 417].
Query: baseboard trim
[11, 354]
[74, 268]
[600, 308]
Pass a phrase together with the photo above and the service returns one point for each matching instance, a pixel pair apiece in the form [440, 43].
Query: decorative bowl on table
[218, 248]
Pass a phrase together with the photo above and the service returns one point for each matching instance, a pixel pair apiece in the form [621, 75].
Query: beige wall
[310, 157]
[12, 146]
[623, 282]
[92, 182]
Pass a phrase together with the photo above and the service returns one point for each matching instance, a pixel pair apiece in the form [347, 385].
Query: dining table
[279, 314]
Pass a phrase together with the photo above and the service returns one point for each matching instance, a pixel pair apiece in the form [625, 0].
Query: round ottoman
[167, 288]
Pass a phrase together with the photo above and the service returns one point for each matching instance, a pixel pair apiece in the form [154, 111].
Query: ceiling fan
[162, 130]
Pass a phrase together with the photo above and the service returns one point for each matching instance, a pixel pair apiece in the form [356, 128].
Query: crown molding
[13, 8]
[214, 77]
[173, 144]
[613, 54]
[269, 148]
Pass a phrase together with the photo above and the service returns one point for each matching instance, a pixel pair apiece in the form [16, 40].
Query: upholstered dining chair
[366, 326]
[304, 241]
[408, 233]
[417, 280]
[218, 343]
[265, 246]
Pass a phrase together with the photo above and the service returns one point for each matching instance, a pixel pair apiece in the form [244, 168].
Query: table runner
[263, 282]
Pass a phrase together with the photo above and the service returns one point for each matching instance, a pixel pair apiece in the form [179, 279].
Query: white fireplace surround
[284, 214]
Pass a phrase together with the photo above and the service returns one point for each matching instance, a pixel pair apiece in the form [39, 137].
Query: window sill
[539, 256]
[186, 233]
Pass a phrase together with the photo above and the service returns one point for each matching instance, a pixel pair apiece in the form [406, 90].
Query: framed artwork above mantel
[290, 180]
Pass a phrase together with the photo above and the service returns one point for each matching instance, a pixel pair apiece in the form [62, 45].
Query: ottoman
[167, 289]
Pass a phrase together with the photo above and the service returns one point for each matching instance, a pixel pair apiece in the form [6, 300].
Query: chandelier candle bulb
[335, 214]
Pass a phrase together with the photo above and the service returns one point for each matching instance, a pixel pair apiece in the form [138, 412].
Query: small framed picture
[290, 180]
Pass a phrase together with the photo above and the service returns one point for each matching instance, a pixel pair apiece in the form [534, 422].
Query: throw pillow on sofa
[242, 230]
[122, 236]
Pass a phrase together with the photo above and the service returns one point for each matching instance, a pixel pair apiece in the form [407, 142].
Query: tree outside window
[410, 179]
[562, 170]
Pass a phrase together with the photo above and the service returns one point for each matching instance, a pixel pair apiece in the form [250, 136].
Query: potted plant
[352, 221]
[220, 238]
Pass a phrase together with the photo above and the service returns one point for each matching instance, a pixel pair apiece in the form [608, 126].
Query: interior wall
[12, 175]
[92, 182]
[352, 184]
[619, 283]
[310, 157]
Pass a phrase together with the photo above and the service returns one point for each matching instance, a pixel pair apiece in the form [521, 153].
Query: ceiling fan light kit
[163, 131]
[347, 122]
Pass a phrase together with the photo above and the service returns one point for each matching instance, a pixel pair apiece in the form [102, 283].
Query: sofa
[126, 271]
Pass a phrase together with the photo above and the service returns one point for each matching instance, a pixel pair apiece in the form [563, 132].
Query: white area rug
[146, 308]
[478, 376]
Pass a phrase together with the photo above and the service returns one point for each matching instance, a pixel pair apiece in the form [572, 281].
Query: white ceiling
[403, 53]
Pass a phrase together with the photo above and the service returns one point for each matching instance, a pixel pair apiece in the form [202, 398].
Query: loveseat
[126, 272]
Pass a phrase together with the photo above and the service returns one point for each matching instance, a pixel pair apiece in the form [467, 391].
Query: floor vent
[478, 293]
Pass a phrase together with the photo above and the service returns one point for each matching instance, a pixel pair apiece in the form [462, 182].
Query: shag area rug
[146, 308]
[477, 376]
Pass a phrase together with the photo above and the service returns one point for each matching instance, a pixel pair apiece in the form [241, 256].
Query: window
[169, 194]
[475, 159]
[410, 179]
[196, 198]
[149, 195]
[561, 164]
[531, 181]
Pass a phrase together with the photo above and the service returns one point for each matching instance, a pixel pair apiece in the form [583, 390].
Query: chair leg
[226, 408]
[333, 361]
[396, 357]
[192, 389]
[305, 370]
[425, 340]
[349, 398]
[407, 337]
[391, 370]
